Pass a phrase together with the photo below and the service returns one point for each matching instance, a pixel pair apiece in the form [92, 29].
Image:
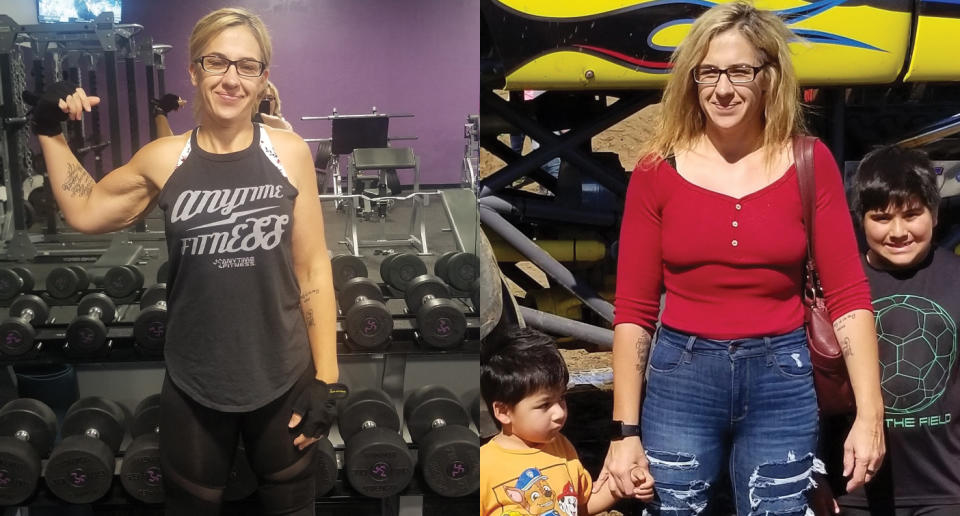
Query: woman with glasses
[268, 110]
[250, 337]
[713, 217]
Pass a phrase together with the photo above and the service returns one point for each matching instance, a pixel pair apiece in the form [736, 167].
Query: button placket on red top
[736, 223]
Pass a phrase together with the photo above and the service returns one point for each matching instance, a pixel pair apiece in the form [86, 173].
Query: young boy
[917, 302]
[529, 467]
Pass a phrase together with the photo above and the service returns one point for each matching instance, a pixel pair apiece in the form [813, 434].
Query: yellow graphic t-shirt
[535, 482]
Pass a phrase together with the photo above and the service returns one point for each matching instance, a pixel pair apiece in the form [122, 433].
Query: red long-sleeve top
[732, 267]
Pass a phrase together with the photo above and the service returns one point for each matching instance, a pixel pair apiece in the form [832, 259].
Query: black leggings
[197, 446]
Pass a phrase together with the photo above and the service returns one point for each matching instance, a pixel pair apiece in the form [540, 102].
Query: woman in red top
[718, 226]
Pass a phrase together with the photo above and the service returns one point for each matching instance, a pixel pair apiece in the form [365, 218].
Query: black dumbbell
[367, 321]
[17, 333]
[163, 273]
[345, 267]
[398, 270]
[87, 334]
[121, 281]
[66, 281]
[440, 322]
[140, 471]
[242, 481]
[80, 469]
[482, 419]
[27, 431]
[150, 326]
[377, 462]
[449, 452]
[13, 281]
[325, 476]
[460, 270]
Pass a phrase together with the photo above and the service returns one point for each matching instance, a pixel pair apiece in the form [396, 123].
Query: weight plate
[80, 470]
[150, 331]
[429, 406]
[377, 463]
[146, 417]
[33, 417]
[449, 460]
[441, 324]
[62, 282]
[140, 472]
[369, 325]
[424, 285]
[16, 337]
[402, 269]
[346, 267]
[153, 295]
[101, 414]
[86, 336]
[122, 281]
[19, 471]
[356, 287]
[366, 405]
[463, 271]
[326, 467]
[440, 267]
[11, 284]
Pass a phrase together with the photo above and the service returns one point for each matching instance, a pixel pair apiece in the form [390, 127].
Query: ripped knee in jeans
[780, 487]
[675, 498]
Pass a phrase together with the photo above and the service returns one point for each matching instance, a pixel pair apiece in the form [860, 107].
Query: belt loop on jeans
[688, 349]
[768, 350]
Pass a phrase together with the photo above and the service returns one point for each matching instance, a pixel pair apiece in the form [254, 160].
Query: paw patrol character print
[567, 502]
[533, 494]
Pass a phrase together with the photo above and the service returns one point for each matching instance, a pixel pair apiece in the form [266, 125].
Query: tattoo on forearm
[78, 182]
[846, 347]
[308, 318]
[841, 323]
[306, 295]
[643, 349]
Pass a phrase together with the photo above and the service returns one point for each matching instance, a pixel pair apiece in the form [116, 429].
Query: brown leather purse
[830, 377]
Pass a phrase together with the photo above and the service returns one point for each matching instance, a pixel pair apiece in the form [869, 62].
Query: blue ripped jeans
[745, 404]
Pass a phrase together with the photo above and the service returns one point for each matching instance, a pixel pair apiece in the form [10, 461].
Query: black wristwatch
[619, 430]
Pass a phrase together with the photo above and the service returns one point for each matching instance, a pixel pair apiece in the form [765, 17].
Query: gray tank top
[235, 337]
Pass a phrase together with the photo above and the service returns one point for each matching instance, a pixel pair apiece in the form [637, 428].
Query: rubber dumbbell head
[18, 332]
[122, 281]
[460, 270]
[13, 281]
[346, 267]
[398, 270]
[27, 431]
[150, 326]
[377, 461]
[440, 321]
[87, 334]
[449, 455]
[80, 469]
[140, 472]
[325, 467]
[367, 320]
[66, 282]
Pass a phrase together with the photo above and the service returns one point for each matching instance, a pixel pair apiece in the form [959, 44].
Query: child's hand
[642, 484]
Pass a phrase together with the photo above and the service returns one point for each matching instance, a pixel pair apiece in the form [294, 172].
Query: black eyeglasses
[219, 65]
[738, 74]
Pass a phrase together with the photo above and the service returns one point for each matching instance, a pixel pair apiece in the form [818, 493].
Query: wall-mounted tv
[75, 10]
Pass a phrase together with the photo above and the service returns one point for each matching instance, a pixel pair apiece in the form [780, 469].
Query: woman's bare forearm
[631, 349]
[857, 335]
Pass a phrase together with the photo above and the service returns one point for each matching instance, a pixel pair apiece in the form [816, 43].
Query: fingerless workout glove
[165, 104]
[47, 114]
[317, 405]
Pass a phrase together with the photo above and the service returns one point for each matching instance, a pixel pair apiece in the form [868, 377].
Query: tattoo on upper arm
[643, 349]
[846, 347]
[841, 323]
[78, 182]
[308, 317]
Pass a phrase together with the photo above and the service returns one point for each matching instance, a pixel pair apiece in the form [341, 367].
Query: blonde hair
[211, 25]
[270, 90]
[682, 120]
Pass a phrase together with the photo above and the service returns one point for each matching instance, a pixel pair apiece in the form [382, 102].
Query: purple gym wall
[410, 56]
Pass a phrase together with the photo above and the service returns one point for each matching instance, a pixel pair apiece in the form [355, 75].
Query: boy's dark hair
[891, 175]
[518, 362]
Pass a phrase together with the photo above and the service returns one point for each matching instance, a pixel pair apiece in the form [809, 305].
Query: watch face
[618, 429]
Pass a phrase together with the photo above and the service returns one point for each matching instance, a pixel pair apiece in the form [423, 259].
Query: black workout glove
[165, 104]
[47, 114]
[317, 406]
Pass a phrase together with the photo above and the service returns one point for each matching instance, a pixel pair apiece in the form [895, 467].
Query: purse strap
[803, 157]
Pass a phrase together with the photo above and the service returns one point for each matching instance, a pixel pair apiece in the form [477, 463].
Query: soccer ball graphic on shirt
[918, 347]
